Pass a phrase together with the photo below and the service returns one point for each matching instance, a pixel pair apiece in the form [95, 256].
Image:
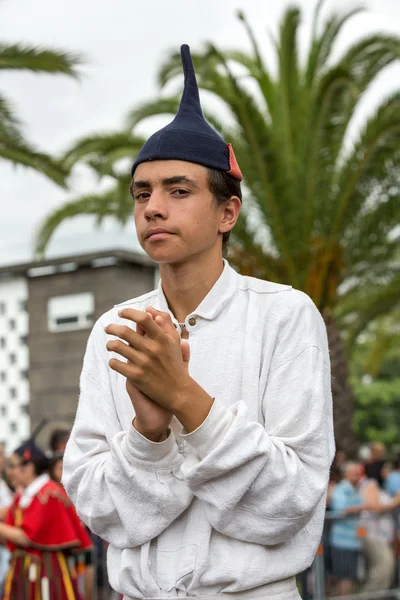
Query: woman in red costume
[43, 532]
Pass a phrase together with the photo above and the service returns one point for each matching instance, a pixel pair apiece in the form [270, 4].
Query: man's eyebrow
[138, 185]
[179, 179]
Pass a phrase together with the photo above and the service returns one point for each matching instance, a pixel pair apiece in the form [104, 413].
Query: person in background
[13, 472]
[58, 441]
[41, 530]
[379, 533]
[84, 561]
[55, 467]
[5, 502]
[345, 542]
[376, 462]
[391, 476]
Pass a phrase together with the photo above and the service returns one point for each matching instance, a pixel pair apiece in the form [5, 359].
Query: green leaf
[18, 56]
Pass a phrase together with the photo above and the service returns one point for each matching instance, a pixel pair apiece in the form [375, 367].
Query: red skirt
[50, 576]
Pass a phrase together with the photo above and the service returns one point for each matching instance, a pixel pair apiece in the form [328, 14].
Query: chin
[165, 255]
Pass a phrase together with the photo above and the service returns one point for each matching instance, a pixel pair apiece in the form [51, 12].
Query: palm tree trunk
[343, 397]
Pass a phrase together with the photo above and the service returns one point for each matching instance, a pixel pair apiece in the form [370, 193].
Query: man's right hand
[152, 420]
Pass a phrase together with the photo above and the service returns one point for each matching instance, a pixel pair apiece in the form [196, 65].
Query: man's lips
[157, 232]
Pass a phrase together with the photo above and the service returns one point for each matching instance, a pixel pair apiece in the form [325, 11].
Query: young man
[203, 438]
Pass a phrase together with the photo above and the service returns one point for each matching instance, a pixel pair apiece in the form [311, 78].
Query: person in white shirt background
[5, 502]
[203, 437]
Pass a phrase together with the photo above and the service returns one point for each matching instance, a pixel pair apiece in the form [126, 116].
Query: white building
[14, 361]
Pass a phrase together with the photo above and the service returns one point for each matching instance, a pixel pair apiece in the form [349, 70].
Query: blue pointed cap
[189, 137]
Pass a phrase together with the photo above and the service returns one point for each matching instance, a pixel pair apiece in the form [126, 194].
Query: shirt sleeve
[112, 476]
[263, 483]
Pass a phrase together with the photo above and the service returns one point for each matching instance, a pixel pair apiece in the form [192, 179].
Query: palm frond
[99, 205]
[369, 56]
[160, 106]
[18, 152]
[289, 86]
[19, 56]
[368, 305]
[321, 46]
[116, 144]
[382, 130]
[256, 67]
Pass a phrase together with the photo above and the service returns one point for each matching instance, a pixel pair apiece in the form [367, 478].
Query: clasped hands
[156, 371]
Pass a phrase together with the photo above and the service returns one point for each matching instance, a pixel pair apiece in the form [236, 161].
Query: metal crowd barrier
[317, 583]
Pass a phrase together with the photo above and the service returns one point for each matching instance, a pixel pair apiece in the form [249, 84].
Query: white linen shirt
[234, 509]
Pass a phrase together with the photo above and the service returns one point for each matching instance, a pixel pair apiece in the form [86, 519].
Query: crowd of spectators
[361, 533]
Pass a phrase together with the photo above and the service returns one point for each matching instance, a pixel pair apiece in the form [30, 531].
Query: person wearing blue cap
[203, 437]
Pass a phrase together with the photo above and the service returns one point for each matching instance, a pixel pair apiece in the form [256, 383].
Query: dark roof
[73, 262]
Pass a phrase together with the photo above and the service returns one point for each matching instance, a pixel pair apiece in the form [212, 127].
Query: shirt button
[192, 321]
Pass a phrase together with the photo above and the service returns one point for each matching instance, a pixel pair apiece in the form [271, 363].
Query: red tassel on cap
[234, 167]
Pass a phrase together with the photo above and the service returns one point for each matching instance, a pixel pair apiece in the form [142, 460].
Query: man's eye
[142, 196]
[180, 192]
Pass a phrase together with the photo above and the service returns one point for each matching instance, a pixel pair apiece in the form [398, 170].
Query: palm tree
[13, 146]
[320, 206]
[103, 153]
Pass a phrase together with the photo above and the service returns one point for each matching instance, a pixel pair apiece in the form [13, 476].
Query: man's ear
[230, 214]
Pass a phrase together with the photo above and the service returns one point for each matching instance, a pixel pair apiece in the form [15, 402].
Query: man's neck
[185, 285]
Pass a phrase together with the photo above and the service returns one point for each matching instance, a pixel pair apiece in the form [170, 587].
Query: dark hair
[58, 436]
[53, 461]
[223, 186]
[41, 465]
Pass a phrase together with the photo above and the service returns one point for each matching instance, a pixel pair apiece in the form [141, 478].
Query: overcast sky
[124, 42]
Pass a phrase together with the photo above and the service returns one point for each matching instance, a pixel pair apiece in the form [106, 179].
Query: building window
[66, 313]
[2, 308]
[13, 358]
[3, 376]
[24, 409]
[11, 324]
[13, 427]
[2, 342]
[24, 374]
[3, 411]
[24, 340]
[23, 305]
[13, 392]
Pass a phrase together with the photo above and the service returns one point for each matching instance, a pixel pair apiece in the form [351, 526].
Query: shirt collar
[32, 489]
[219, 295]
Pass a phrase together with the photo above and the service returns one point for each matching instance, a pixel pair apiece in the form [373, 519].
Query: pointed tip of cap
[190, 97]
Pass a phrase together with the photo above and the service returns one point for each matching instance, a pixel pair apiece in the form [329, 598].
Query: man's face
[174, 196]
[354, 474]
[26, 474]
[13, 471]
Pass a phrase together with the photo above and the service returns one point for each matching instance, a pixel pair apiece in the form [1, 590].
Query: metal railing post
[319, 574]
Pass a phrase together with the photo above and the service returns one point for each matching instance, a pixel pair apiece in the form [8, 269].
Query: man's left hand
[155, 363]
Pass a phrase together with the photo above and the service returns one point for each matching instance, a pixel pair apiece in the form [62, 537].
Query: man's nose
[156, 206]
